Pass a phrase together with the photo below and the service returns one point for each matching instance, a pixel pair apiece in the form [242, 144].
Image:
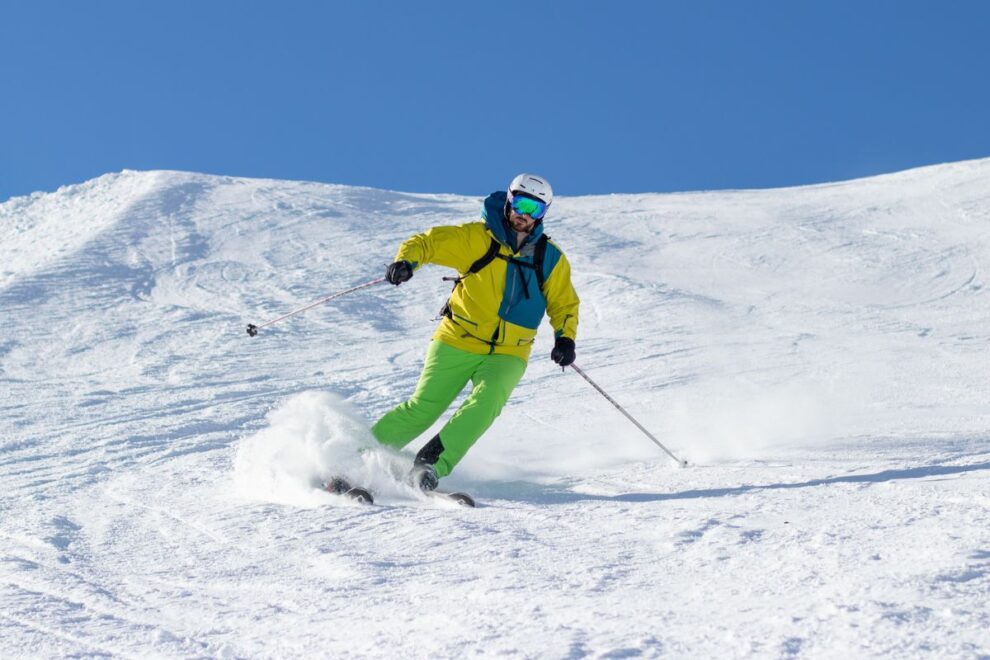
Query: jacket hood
[493, 213]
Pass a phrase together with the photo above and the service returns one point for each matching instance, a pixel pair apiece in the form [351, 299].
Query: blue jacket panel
[523, 303]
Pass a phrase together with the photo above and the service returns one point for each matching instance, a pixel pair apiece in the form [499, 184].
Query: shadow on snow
[553, 494]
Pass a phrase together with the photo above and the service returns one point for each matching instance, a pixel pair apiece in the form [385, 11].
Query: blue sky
[460, 96]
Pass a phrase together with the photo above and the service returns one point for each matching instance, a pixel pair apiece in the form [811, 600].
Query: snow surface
[819, 354]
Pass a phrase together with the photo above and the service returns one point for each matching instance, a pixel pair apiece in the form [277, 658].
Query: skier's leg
[494, 381]
[445, 373]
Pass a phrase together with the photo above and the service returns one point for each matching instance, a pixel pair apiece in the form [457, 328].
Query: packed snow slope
[818, 354]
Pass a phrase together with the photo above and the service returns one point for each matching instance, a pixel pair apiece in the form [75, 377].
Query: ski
[460, 498]
[340, 486]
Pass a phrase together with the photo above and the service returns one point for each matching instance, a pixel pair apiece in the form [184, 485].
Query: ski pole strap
[628, 416]
[253, 329]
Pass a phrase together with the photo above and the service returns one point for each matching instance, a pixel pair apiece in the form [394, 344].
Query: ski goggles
[534, 208]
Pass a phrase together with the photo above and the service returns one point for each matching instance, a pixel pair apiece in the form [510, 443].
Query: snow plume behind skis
[819, 354]
[310, 437]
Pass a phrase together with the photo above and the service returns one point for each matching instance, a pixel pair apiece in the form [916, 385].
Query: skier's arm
[444, 246]
[562, 300]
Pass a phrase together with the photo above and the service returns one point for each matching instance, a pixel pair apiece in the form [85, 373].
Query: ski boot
[424, 477]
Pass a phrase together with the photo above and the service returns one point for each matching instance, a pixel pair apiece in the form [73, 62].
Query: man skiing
[510, 275]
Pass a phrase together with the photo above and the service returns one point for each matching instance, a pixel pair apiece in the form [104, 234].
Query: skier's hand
[563, 351]
[399, 272]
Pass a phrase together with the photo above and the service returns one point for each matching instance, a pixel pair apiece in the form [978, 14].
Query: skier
[510, 274]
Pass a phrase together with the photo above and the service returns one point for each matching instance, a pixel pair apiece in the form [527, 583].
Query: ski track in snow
[817, 353]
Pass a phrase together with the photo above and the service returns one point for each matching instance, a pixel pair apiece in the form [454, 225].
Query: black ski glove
[399, 272]
[563, 351]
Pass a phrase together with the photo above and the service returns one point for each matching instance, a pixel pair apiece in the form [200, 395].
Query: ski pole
[628, 416]
[252, 329]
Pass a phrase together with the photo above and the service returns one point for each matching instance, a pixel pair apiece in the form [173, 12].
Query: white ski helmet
[532, 185]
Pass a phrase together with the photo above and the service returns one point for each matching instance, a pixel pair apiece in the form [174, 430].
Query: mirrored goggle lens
[528, 206]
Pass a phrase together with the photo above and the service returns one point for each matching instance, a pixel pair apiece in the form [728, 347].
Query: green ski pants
[445, 373]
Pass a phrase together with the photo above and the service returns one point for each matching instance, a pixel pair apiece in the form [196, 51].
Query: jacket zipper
[491, 344]
[465, 320]
[512, 291]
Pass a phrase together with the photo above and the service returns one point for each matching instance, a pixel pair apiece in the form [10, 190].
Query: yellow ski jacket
[498, 308]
